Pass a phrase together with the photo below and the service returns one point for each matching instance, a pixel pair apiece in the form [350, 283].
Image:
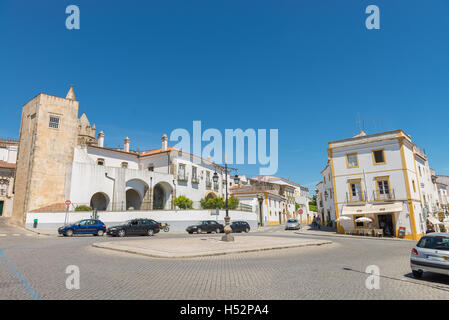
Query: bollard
[35, 223]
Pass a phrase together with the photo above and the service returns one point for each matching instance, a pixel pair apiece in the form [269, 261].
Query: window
[125, 165]
[3, 187]
[151, 168]
[54, 122]
[378, 157]
[413, 183]
[100, 162]
[352, 160]
[355, 190]
[383, 188]
[194, 175]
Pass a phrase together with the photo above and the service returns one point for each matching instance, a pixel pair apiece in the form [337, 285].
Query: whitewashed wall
[178, 220]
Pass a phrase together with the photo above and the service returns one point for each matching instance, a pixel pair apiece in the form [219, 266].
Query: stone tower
[49, 131]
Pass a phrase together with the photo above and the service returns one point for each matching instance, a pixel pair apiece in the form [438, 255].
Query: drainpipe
[113, 188]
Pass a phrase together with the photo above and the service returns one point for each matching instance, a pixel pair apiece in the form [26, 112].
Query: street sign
[299, 211]
[68, 203]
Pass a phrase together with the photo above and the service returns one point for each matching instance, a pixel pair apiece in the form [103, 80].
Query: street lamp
[260, 198]
[227, 229]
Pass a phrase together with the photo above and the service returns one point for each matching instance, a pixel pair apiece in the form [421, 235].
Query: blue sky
[308, 68]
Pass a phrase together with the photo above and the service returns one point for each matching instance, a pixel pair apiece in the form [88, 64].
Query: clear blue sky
[307, 68]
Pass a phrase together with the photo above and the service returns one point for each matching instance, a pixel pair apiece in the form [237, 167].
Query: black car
[136, 227]
[206, 226]
[240, 226]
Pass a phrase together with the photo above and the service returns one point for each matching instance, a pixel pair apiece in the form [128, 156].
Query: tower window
[100, 162]
[54, 122]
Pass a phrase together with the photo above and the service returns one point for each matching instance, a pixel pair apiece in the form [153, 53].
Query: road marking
[16, 234]
[2, 235]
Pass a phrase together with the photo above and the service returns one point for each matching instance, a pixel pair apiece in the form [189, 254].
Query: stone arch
[133, 199]
[210, 195]
[136, 194]
[99, 201]
[162, 196]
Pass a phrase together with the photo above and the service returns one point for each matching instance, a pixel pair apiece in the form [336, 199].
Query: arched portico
[137, 194]
[99, 201]
[162, 196]
[211, 195]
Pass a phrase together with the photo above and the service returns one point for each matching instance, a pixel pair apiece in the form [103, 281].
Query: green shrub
[83, 208]
[233, 203]
[183, 202]
[212, 203]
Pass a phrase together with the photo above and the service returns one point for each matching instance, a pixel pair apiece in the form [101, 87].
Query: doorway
[385, 222]
[1, 207]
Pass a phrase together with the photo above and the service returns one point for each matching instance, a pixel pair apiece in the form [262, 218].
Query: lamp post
[260, 198]
[227, 229]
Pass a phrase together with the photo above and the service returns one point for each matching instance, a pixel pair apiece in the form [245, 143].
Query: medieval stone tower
[49, 132]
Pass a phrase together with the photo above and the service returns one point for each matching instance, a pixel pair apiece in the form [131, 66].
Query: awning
[372, 208]
[434, 220]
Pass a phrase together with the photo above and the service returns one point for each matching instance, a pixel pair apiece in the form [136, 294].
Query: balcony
[208, 184]
[195, 180]
[183, 177]
[375, 196]
[386, 196]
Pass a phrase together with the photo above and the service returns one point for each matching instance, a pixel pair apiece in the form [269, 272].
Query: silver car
[431, 254]
[292, 224]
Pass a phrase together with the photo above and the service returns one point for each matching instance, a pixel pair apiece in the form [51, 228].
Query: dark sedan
[135, 227]
[240, 226]
[206, 226]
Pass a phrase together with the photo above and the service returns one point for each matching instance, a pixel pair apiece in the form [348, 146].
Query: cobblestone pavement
[34, 268]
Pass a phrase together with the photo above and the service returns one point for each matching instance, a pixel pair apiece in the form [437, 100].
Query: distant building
[383, 176]
[278, 195]
[443, 193]
[8, 156]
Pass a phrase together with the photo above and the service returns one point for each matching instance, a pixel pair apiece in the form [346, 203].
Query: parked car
[430, 254]
[240, 226]
[87, 226]
[206, 226]
[135, 227]
[292, 224]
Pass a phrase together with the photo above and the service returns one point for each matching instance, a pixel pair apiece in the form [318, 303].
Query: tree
[183, 202]
[233, 203]
[312, 204]
[212, 203]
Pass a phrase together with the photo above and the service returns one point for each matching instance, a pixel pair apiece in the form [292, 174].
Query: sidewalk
[44, 232]
[201, 247]
[328, 232]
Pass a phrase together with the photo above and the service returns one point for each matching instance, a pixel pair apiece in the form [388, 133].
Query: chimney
[164, 142]
[100, 140]
[126, 145]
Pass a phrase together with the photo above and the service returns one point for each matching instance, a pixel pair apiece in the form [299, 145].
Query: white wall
[178, 220]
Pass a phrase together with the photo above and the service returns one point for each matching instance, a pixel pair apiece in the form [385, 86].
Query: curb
[40, 233]
[102, 246]
[354, 237]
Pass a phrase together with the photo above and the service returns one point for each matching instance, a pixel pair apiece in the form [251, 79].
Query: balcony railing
[195, 179]
[375, 196]
[208, 184]
[183, 177]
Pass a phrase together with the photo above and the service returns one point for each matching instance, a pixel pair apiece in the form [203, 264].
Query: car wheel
[69, 233]
[217, 230]
[417, 274]
[122, 233]
[150, 232]
[247, 230]
[199, 231]
[100, 233]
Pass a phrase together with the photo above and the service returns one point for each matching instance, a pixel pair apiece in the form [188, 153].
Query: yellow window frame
[350, 189]
[374, 159]
[383, 178]
[347, 160]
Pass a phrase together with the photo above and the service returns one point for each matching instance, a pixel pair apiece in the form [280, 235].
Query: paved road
[33, 267]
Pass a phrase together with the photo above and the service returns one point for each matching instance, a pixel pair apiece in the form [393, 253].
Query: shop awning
[434, 220]
[372, 209]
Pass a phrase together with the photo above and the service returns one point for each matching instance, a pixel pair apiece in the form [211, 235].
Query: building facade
[384, 177]
[60, 157]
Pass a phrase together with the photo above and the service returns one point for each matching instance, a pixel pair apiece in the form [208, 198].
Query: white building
[8, 156]
[324, 198]
[383, 176]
